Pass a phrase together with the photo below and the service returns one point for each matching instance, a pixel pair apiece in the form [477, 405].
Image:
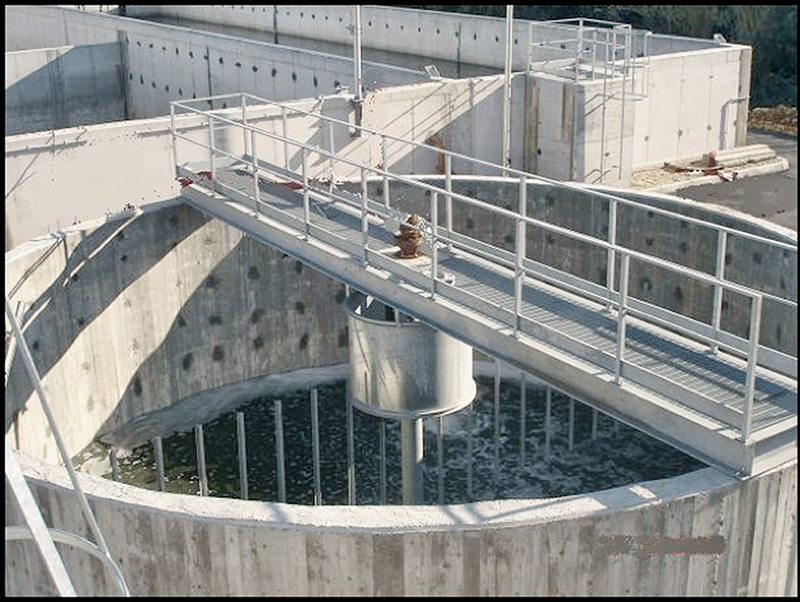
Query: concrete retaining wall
[63, 87]
[701, 534]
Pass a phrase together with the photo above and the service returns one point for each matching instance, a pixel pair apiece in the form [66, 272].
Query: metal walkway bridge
[281, 174]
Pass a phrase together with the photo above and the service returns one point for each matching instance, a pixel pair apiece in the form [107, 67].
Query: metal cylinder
[401, 368]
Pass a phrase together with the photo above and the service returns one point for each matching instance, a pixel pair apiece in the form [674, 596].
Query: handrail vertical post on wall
[212, 167]
[716, 316]
[364, 213]
[306, 209]
[256, 190]
[611, 261]
[285, 139]
[174, 138]
[434, 250]
[521, 252]
[622, 311]
[384, 166]
[448, 208]
[752, 362]
[244, 123]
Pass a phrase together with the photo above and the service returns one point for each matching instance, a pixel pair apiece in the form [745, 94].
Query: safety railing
[613, 296]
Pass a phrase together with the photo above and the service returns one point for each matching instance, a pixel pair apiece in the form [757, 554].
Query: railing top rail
[577, 187]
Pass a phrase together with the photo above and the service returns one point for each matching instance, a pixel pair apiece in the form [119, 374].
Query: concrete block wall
[700, 534]
[61, 87]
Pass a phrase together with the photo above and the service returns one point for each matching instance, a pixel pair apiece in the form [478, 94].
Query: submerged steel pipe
[158, 450]
[240, 437]
[201, 459]
[412, 453]
[278, 408]
[315, 445]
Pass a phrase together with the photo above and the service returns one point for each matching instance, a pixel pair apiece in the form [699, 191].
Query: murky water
[619, 455]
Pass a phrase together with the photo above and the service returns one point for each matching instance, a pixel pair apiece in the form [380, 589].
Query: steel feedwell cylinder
[401, 368]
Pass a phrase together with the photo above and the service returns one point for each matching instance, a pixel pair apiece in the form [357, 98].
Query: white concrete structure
[145, 308]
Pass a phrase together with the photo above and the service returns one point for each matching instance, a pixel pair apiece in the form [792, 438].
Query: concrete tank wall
[700, 534]
[63, 87]
[127, 316]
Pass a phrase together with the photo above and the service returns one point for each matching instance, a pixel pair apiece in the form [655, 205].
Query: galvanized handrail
[518, 261]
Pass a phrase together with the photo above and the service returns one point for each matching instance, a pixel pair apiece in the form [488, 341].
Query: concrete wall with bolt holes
[62, 87]
[699, 534]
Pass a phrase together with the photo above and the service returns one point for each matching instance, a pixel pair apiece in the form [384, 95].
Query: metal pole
[716, 318]
[306, 208]
[522, 415]
[315, 446]
[412, 453]
[364, 214]
[448, 185]
[497, 371]
[471, 428]
[621, 316]
[384, 165]
[440, 458]
[174, 138]
[434, 250]
[351, 462]
[382, 459]
[611, 261]
[240, 437]
[357, 62]
[521, 252]
[278, 407]
[285, 139]
[752, 363]
[506, 160]
[594, 424]
[256, 190]
[547, 427]
[201, 459]
[159, 453]
[244, 122]
[329, 129]
[212, 167]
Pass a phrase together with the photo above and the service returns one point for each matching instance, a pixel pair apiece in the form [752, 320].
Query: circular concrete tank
[129, 318]
[401, 368]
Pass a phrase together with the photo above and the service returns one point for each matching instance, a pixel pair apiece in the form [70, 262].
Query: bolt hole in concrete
[617, 456]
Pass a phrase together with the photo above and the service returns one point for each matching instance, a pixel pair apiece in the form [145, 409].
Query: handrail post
[722, 243]
[434, 250]
[521, 252]
[174, 138]
[752, 363]
[364, 213]
[384, 164]
[212, 167]
[244, 123]
[257, 192]
[611, 262]
[285, 140]
[448, 185]
[306, 209]
[621, 316]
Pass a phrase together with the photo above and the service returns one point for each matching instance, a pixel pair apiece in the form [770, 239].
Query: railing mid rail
[613, 296]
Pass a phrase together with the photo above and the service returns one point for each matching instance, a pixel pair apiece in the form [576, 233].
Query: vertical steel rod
[244, 123]
[716, 316]
[611, 262]
[201, 459]
[351, 462]
[278, 407]
[470, 429]
[621, 316]
[306, 208]
[364, 214]
[594, 424]
[174, 138]
[315, 446]
[522, 415]
[497, 371]
[547, 409]
[382, 460]
[212, 166]
[385, 167]
[440, 457]
[448, 185]
[242, 452]
[332, 183]
[752, 363]
[411, 436]
[519, 274]
[158, 450]
[285, 139]
[434, 238]
[256, 190]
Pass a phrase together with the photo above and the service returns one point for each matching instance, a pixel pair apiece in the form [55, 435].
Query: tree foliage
[770, 29]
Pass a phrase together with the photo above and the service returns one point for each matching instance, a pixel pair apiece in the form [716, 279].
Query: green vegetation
[771, 30]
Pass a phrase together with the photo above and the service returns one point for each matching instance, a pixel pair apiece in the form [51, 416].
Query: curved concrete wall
[130, 315]
[695, 535]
